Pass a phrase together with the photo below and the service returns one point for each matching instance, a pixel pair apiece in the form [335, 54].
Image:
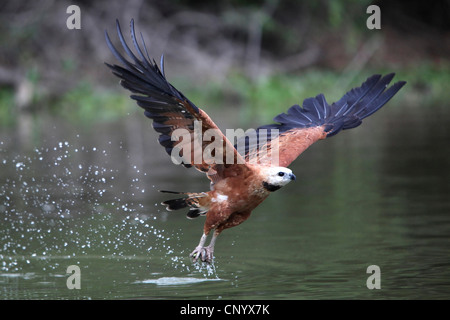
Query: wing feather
[302, 126]
[169, 109]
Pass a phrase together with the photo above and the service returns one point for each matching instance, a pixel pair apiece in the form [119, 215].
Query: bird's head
[276, 177]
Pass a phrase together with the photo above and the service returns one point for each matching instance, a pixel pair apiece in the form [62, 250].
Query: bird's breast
[239, 194]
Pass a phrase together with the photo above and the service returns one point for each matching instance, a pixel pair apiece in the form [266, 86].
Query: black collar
[270, 187]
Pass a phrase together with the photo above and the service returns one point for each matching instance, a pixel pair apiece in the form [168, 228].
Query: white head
[276, 177]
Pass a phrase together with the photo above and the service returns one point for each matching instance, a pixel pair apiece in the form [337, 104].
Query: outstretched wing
[280, 144]
[179, 122]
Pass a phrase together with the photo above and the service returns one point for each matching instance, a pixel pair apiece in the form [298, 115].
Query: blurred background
[258, 55]
[80, 166]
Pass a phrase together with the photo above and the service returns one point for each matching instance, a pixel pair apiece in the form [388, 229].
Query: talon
[209, 254]
[197, 253]
[204, 253]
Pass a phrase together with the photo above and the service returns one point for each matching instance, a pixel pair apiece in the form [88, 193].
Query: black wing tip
[135, 65]
[361, 102]
[140, 73]
[400, 84]
[136, 46]
[357, 104]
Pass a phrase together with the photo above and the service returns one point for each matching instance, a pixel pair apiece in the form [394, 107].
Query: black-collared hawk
[240, 181]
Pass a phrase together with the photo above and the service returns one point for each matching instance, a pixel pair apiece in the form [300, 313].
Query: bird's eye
[281, 174]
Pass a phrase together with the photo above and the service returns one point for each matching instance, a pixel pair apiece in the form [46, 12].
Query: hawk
[241, 177]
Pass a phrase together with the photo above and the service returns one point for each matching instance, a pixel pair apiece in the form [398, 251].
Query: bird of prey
[240, 181]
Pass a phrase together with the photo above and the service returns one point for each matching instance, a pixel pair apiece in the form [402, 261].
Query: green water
[375, 195]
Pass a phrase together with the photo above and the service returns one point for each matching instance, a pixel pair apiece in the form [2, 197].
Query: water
[376, 195]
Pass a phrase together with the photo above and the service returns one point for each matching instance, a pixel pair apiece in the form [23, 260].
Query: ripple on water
[176, 281]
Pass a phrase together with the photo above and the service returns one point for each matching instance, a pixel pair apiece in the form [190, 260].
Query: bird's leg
[202, 252]
[210, 249]
[199, 251]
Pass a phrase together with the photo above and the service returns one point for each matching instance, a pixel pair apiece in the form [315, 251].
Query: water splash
[69, 201]
[176, 281]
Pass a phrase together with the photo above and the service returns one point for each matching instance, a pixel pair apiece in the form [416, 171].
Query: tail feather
[198, 203]
[175, 204]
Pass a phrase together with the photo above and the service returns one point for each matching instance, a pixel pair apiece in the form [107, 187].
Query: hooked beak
[292, 176]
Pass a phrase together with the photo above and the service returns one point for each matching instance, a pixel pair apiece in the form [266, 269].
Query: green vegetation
[427, 86]
[6, 107]
[85, 105]
[317, 46]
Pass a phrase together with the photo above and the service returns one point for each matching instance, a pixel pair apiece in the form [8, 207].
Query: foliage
[257, 100]
[85, 105]
[6, 107]
[260, 101]
[259, 57]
